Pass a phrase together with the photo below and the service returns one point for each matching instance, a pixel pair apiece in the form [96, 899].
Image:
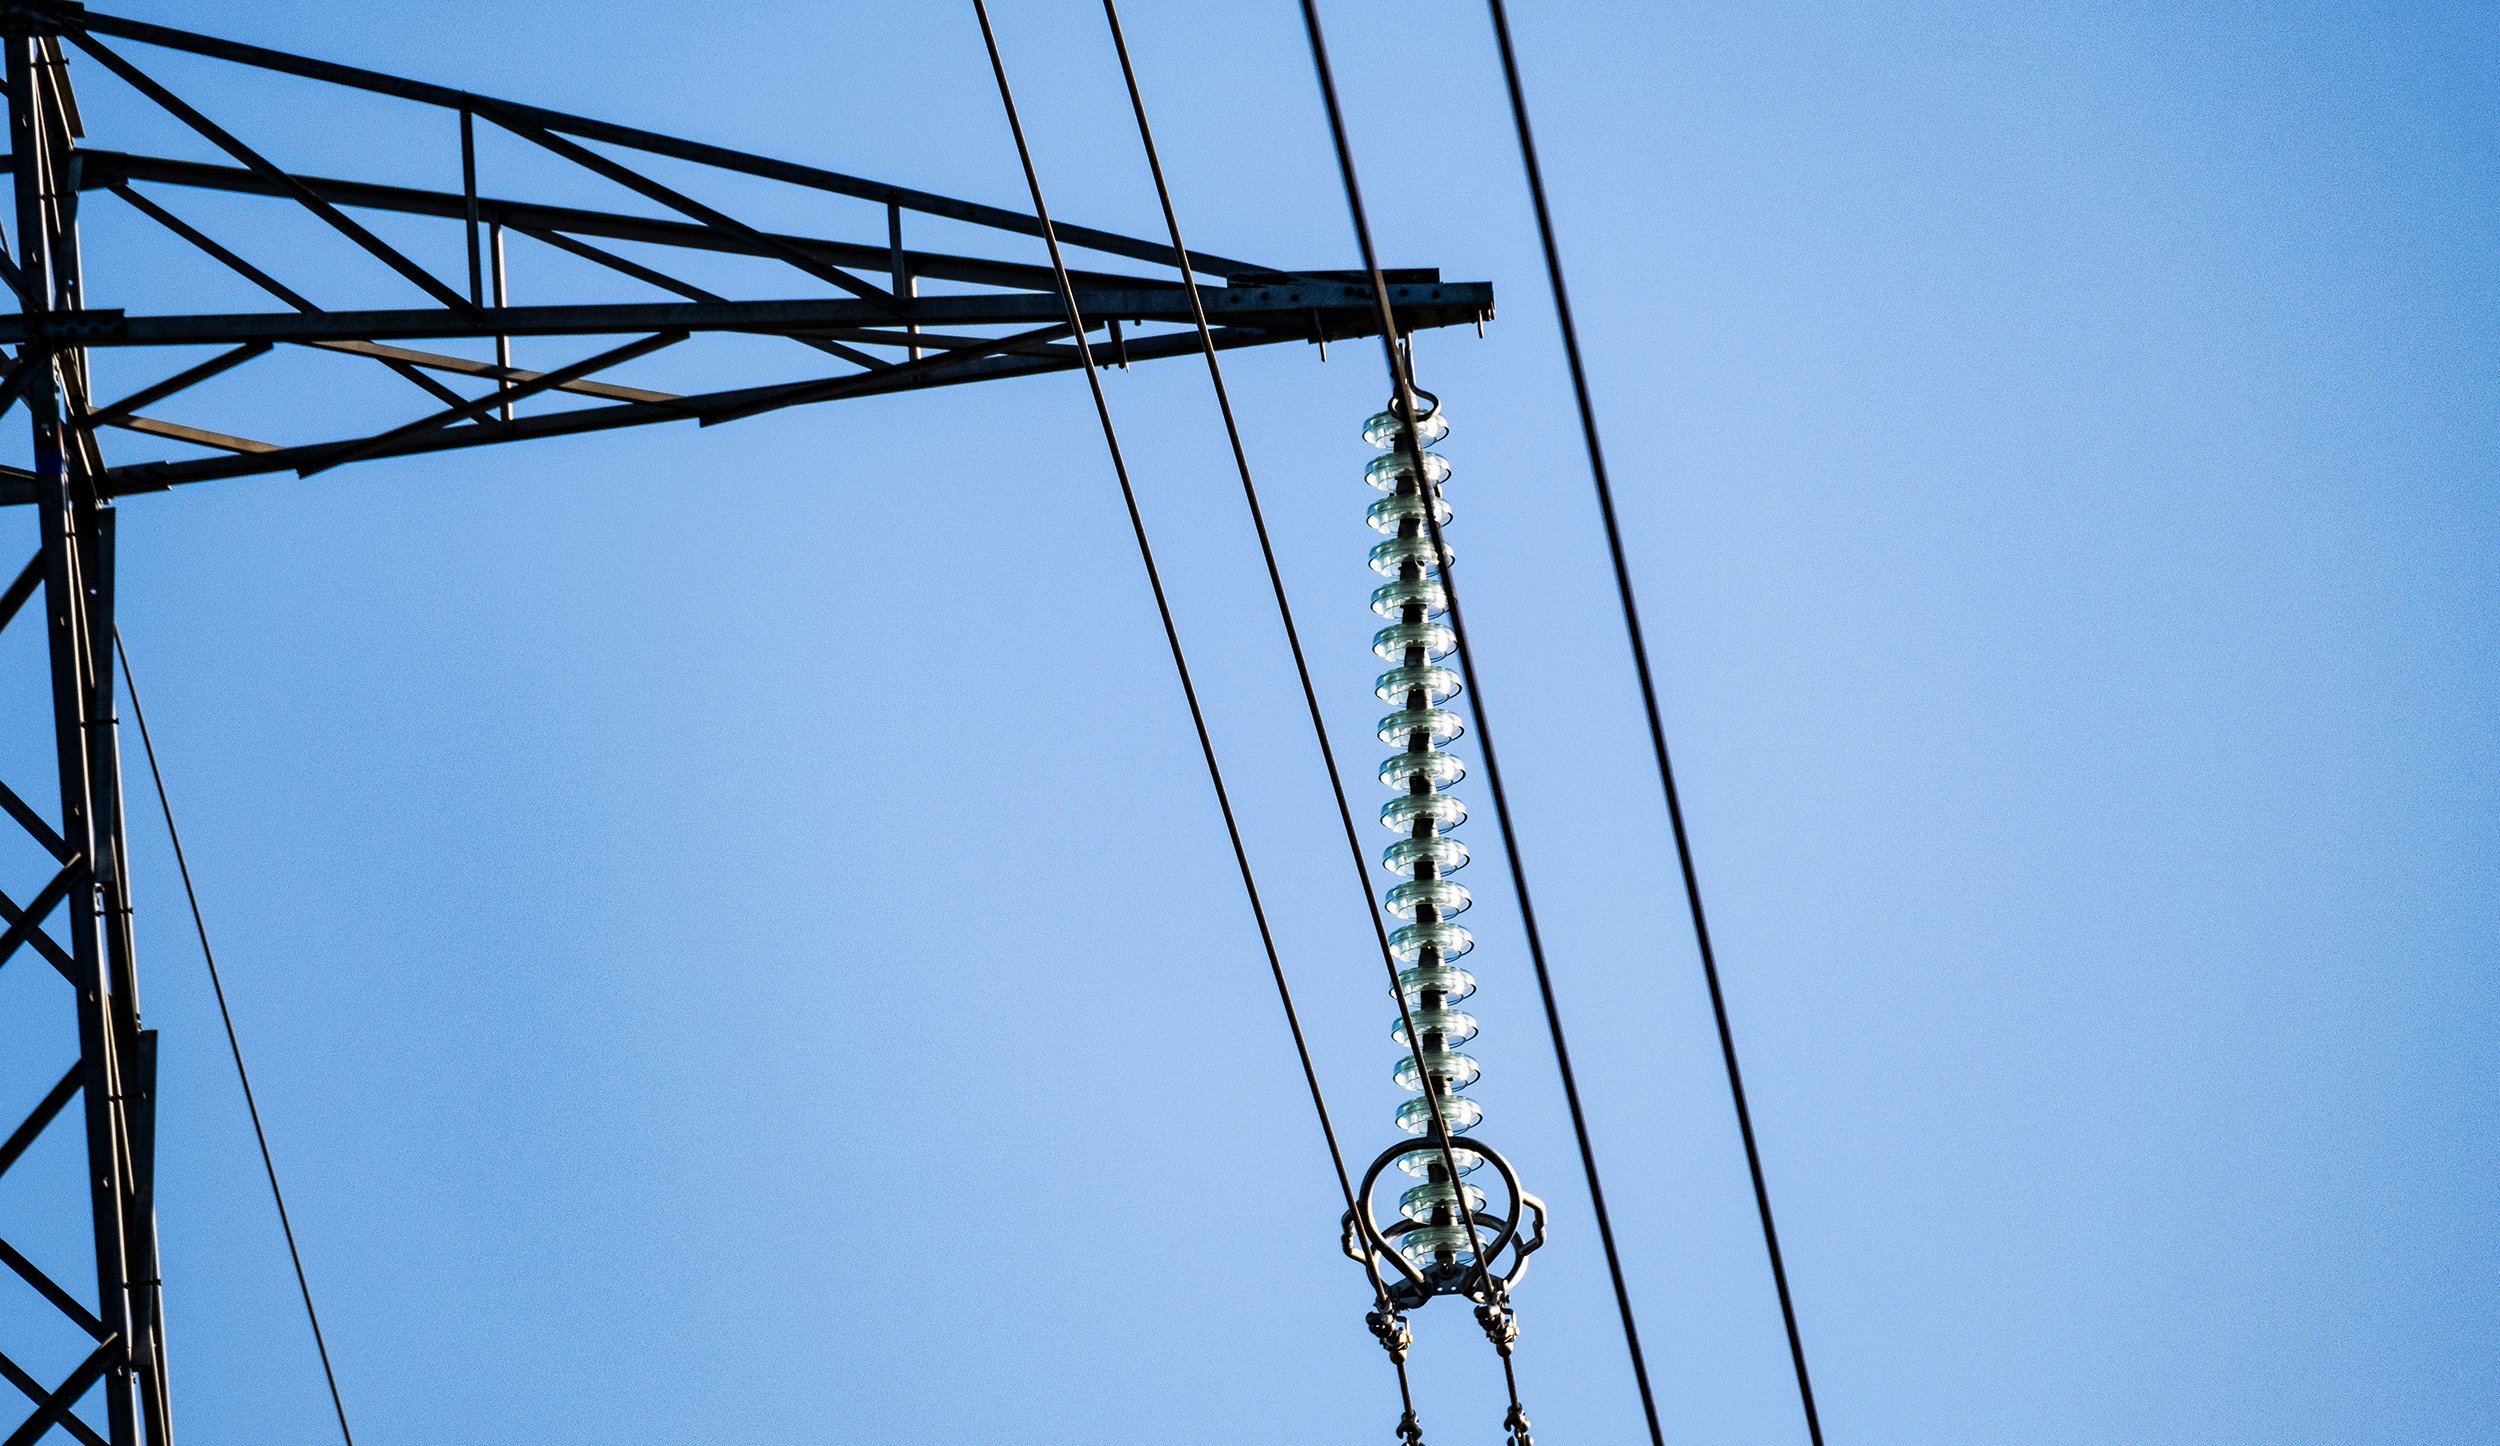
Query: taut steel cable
[1402, 384]
[1172, 637]
[1649, 699]
[234, 1044]
[1385, 1321]
[1102, 409]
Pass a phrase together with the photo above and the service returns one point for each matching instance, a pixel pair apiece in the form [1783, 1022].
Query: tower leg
[79, 923]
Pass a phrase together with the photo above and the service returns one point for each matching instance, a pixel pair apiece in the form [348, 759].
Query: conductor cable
[1171, 632]
[1402, 384]
[1284, 612]
[1649, 701]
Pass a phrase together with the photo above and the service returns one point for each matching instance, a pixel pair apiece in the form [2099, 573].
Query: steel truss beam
[876, 319]
[857, 299]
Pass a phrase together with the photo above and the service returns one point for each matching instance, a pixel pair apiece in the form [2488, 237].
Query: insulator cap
[1395, 469]
[1395, 598]
[1393, 557]
[1461, 1113]
[1409, 941]
[1422, 1163]
[1455, 1071]
[1419, 1201]
[1438, 724]
[1434, 767]
[1440, 894]
[1399, 508]
[1436, 683]
[1455, 1026]
[1400, 814]
[1446, 980]
[1393, 641]
[1426, 1244]
[1446, 855]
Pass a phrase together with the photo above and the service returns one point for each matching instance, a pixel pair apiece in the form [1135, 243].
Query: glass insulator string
[1428, 942]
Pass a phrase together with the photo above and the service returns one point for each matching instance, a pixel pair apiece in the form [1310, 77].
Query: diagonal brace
[262, 166]
[23, 588]
[182, 380]
[21, 375]
[33, 1125]
[666, 282]
[50, 1290]
[614, 356]
[798, 393]
[18, 1377]
[634, 180]
[253, 274]
[34, 823]
[55, 1408]
[27, 923]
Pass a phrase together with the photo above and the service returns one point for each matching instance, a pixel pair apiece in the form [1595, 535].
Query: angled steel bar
[106, 170]
[996, 367]
[109, 170]
[769, 399]
[53, 69]
[25, 923]
[34, 1391]
[34, 824]
[814, 177]
[131, 1062]
[262, 279]
[649, 276]
[215, 249]
[28, 579]
[75, 530]
[184, 432]
[504, 398]
[686, 205]
[36, 938]
[68, 1304]
[157, 476]
[55, 1408]
[21, 372]
[465, 367]
[666, 282]
[179, 381]
[224, 140]
[32, 1126]
[18, 1377]
[15, 278]
[942, 341]
[1329, 310]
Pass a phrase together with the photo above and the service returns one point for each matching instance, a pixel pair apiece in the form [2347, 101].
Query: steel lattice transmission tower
[858, 301]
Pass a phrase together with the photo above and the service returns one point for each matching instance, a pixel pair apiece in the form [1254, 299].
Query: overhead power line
[1403, 387]
[1649, 702]
[1171, 631]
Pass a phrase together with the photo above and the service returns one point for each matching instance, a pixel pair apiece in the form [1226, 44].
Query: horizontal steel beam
[706, 407]
[1316, 309]
[63, 17]
[103, 170]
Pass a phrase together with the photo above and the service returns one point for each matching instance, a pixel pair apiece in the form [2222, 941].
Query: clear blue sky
[735, 942]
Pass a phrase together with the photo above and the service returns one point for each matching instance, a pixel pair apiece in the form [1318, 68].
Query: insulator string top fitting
[1427, 942]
